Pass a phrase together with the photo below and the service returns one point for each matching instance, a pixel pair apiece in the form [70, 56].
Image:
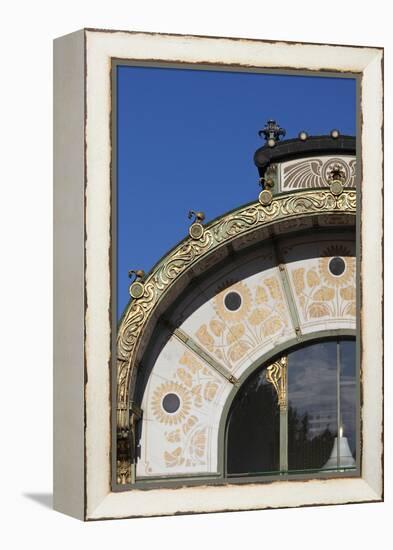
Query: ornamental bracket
[276, 374]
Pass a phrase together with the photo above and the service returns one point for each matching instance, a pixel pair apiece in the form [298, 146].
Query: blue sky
[186, 140]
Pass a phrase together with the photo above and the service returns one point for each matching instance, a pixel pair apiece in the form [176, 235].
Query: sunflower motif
[347, 270]
[179, 414]
[233, 303]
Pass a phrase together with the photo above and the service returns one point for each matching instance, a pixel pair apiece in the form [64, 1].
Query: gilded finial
[196, 229]
[137, 288]
[272, 132]
[198, 216]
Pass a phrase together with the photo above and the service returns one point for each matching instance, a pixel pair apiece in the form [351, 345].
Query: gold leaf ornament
[217, 327]
[312, 278]
[198, 444]
[185, 377]
[237, 351]
[350, 309]
[174, 458]
[190, 362]
[348, 293]
[317, 310]
[189, 424]
[174, 436]
[261, 295]
[235, 333]
[205, 337]
[210, 391]
[324, 294]
[196, 392]
[298, 280]
[258, 316]
[274, 288]
[272, 326]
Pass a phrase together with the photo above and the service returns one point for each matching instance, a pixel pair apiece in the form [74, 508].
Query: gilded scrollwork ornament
[276, 374]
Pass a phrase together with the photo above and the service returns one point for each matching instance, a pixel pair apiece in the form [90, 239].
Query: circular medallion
[336, 266]
[265, 197]
[335, 169]
[336, 188]
[171, 403]
[137, 289]
[233, 301]
[196, 231]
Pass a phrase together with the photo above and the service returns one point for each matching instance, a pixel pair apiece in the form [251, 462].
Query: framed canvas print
[218, 274]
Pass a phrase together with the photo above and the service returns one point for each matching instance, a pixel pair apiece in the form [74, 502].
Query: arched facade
[236, 294]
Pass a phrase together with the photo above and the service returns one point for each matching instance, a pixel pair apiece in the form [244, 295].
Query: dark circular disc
[171, 402]
[233, 301]
[336, 266]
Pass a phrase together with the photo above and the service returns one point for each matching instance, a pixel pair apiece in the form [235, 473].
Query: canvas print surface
[234, 276]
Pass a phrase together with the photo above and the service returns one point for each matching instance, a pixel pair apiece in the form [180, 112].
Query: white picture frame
[83, 326]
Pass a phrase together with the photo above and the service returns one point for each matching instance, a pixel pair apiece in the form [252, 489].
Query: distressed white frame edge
[69, 276]
[101, 46]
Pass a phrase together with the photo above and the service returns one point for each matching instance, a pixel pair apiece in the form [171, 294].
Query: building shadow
[45, 499]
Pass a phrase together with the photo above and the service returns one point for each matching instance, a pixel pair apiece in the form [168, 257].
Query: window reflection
[317, 430]
[253, 429]
[348, 392]
[312, 407]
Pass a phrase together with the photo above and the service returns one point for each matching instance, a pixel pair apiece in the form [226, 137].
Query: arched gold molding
[189, 253]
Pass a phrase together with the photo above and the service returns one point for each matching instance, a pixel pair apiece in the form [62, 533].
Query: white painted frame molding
[82, 334]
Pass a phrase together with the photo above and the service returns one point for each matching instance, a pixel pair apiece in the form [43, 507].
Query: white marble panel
[184, 441]
[324, 300]
[237, 337]
[314, 172]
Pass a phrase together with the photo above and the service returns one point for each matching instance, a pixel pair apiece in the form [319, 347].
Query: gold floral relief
[274, 288]
[262, 314]
[347, 276]
[320, 292]
[210, 391]
[348, 293]
[157, 403]
[298, 280]
[257, 316]
[261, 295]
[174, 458]
[245, 305]
[324, 294]
[312, 278]
[217, 327]
[205, 337]
[197, 444]
[173, 436]
[195, 384]
[237, 331]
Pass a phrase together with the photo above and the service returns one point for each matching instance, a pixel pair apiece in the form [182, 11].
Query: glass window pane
[311, 424]
[253, 429]
[312, 406]
[348, 394]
